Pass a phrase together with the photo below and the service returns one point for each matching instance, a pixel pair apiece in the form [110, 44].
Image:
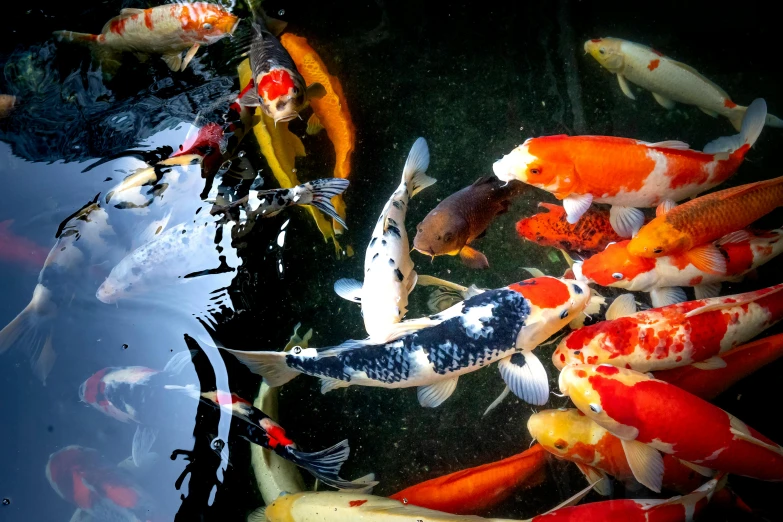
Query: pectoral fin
[625, 87]
[174, 61]
[707, 290]
[645, 462]
[707, 258]
[315, 90]
[576, 205]
[314, 125]
[328, 384]
[603, 486]
[189, 56]
[622, 306]
[666, 103]
[472, 258]
[713, 363]
[709, 112]
[701, 470]
[433, 395]
[664, 207]
[667, 296]
[626, 221]
[526, 377]
[349, 289]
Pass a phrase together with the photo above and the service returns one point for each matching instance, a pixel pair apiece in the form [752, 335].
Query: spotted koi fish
[743, 251]
[165, 30]
[694, 332]
[627, 173]
[389, 275]
[669, 81]
[651, 416]
[431, 353]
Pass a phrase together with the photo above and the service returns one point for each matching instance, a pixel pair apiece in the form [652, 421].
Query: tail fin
[70, 36]
[753, 121]
[29, 332]
[414, 172]
[270, 365]
[325, 465]
[323, 192]
[774, 121]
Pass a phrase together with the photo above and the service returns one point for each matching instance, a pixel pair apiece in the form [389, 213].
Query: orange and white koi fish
[676, 335]
[627, 173]
[705, 219]
[669, 81]
[165, 30]
[663, 276]
[649, 416]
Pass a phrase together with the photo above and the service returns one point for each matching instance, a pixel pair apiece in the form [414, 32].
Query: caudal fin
[751, 123]
[30, 332]
[325, 465]
[414, 174]
[269, 365]
[323, 192]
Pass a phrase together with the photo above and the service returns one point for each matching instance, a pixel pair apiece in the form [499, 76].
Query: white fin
[130, 11]
[314, 125]
[413, 277]
[258, 515]
[496, 402]
[713, 363]
[143, 440]
[602, 484]
[625, 87]
[709, 112]
[535, 272]
[576, 268]
[153, 230]
[369, 480]
[526, 377]
[174, 61]
[622, 306]
[568, 259]
[189, 56]
[740, 431]
[645, 462]
[414, 172]
[707, 258]
[349, 289]
[667, 295]
[664, 207]
[576, 205]
[626, 221]
[701, 470]
[329, 384]
[433, 395]
[670, 144]
[666, 103]
[738, 236]
[752, 125]
[426, 280]
[572, 501]
[178, 362]
[270, 365]
[722, 304]
[595, 303]
[707, 290]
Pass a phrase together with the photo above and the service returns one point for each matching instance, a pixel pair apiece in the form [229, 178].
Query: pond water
[475, 79]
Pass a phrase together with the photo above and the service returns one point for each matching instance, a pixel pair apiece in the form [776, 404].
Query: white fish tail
[30, 332]
[269, 365]
[750, 122]
[323, 192]
[414, 175]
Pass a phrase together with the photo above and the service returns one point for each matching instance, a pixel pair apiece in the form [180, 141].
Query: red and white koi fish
[627, 173]
[669, 81]
[20, 250]
[165, 30]
[652, 416]
[676, 335]
[743, 251]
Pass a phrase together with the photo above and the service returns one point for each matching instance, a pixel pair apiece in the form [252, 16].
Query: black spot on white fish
[396, 204]
[136, 271]
[373, 241]
[518, 360]
[391, 229]
[373, 257]
[392, 222]
[564, 314]
[398, 274]
[577, 289]
[391, 262]
[383, 242]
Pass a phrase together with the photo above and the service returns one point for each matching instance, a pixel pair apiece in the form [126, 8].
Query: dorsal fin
[750, 186]
[733, 303]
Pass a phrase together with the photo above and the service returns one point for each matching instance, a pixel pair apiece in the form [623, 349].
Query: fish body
[497, 325]
[651, 416]
[478, 489]
[626, 173]
[165, 30]
[389, 275]
[592, 233]
[464, 216]
[675, 335]
[20, 250]
[669, 80]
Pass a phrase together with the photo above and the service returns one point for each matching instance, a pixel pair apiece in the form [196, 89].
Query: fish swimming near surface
[7, 104]
[669, 81]
[431, 353]
[627, 173]
[165, 30]
[706, 219]
[592, 233]
[663, 276]
[693, 332]
[464, 216]
[19, 250]
[652, 416]
[389, 275]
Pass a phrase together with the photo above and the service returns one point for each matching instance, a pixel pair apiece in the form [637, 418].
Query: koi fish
[669, 81]
[694, 332]
[478, 489]
[7, 103]
[705, 219]
[743, 251]
[740, 362]
[649, 416]
[389, 275]
[627, 173]
[592, 233]
[165, 30]
[464, 216]
[20, 250]
[432, 352]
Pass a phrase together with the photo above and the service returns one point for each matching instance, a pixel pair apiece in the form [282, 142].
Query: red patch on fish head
[616, 264]
[356, 503]
[653, 64]
[549, 163]
[276, 83]
[596, 40]
[90, 389]
[607, 369]
[117, 25]
[543, 292]
[729, 104]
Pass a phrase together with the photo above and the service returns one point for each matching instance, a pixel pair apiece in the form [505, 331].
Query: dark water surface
[475, 79]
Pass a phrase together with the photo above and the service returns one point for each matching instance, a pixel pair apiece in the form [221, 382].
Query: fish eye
[658, 250]
[448, 236]
[602, 50]
[564, 314]
[207, 26]
[560, 445]
[296, 350]
[617, 275]
[595, 408]
[535, 171]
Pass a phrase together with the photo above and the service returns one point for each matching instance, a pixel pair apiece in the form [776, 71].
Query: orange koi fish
[676, 335]
[591, 234]
[166, 30]
[740, 362]
[478, 489]
[330, 112]
[652, 416]
[705, 219]
[627, 173]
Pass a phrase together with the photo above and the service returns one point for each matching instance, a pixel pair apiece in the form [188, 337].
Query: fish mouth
[287, 118]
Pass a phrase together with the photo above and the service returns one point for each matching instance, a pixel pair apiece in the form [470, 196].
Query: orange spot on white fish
[653, 64]
[729, 104]
[356, 503]
[148, 18]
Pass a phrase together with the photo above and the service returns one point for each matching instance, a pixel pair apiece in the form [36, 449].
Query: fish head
[123, 280]
[542, 225]
[542, 162]
[608, 52]
[64, 469]
[441, 233]
[282, 93]
[659, 238]
[209, 144]
[617, 267]
[562, 432]
[213, 22]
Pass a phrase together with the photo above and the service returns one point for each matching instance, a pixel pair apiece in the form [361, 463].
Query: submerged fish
[7, 103]
[627, 173]
[649, 416]
[431, 353]
[388, 269]
[464, 216]
[669, 81]
[20, 250]
[165, 30]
